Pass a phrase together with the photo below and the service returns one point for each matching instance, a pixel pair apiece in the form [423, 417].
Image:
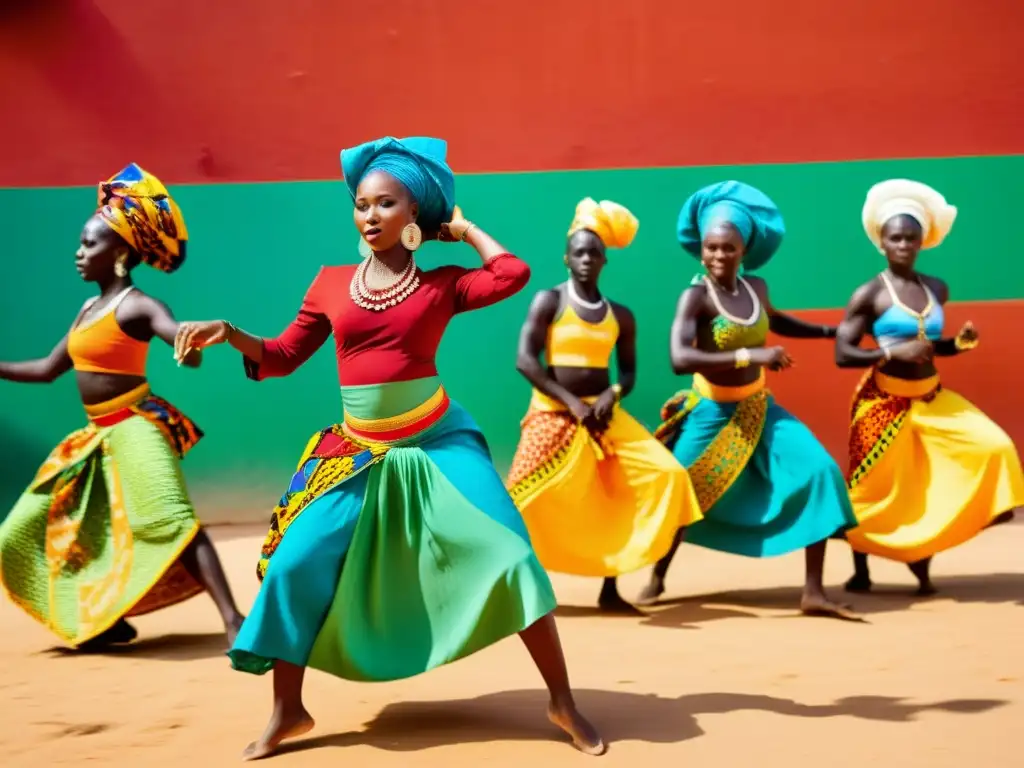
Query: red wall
[987, 376]
[270, 90]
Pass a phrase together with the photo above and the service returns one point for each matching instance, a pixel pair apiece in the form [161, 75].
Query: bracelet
[742, 358]
[466, 232]
[962, 344]
[617, 389]
[232, 329]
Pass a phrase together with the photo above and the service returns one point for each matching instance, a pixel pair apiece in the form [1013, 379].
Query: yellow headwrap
[612, 222]
[137, 206]
[897, 197]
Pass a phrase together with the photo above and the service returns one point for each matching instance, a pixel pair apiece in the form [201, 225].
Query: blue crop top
[900, 323]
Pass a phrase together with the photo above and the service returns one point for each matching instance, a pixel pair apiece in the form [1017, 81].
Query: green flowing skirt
[98, 534]
[404, 557]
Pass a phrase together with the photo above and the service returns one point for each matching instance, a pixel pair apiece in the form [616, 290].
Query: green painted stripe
[255, 248]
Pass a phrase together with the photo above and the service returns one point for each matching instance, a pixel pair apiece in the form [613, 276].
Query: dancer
[599, 494]
[106, 530]
[766, 485]
[927, 469]
[437, 561]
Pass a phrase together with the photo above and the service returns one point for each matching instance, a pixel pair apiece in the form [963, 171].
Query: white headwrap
[897, 197]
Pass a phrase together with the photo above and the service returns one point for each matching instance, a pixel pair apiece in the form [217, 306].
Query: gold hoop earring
[365, 251]
[412, 236]
[120, 269]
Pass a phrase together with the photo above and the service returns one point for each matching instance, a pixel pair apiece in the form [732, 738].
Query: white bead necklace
[390, 290]
[714, 288]
[585, 304]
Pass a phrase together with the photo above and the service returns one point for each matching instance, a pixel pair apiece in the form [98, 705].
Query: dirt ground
[723, 673]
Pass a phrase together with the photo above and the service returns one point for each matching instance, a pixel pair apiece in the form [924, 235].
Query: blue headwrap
[754, 215]
[417, 162]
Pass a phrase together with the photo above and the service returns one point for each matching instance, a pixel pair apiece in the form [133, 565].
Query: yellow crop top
[100, 346]
[575, 343]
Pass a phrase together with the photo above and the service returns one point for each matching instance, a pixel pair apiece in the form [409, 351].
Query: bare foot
[650, 594]
[233, 628]
[812, 604]
[121, 633]
[281, 727]
[1005, 517]
[859, 583]
[614, 603]
[584, 735]
[926, 589]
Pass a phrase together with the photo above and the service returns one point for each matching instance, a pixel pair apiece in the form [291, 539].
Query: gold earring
[412, 236]
[120, 269]
[365, 251]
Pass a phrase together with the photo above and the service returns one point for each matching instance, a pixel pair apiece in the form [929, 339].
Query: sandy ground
[723, 673]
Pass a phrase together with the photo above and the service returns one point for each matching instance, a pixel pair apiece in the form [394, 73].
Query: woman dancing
[437, 561]
[766, 485]
[599, 494]
[927, 470]
[106, 529]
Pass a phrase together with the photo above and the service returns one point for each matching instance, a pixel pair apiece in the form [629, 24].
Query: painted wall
[204, 92]
[231, 102]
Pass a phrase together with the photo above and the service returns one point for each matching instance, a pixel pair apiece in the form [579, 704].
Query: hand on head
[456, 229]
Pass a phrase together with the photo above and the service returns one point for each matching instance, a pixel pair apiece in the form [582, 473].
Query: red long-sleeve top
[398, 344]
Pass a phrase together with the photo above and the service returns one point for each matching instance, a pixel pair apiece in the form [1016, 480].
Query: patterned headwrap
[611, 222]
[418, 163]
[748, 209]
[897, 197]
[138, 207]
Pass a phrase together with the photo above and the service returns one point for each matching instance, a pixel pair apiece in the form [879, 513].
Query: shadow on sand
[623, 716]
[685, 612]
[173, 647]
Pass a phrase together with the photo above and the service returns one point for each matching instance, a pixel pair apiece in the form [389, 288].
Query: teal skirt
[766, 486]
[387, 561]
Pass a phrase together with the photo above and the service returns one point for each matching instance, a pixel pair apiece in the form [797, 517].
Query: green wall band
[256, 247]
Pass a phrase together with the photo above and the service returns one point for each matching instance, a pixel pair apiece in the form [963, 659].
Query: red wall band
[209, 92]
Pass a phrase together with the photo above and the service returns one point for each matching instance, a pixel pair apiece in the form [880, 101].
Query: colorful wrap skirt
[396, 547]
[765, 484]
[927, 471]
[597, 507]
[98, 534]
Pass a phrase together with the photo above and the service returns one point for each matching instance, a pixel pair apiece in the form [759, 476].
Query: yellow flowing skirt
[928, 470]
[597, 507]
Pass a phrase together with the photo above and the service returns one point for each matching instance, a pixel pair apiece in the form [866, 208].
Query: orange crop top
[575, 343]
[100, 346]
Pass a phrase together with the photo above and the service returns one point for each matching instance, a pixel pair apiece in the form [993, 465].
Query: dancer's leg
[201, 561]
[541, 639]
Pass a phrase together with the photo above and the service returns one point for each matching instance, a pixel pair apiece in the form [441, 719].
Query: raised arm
[41, 371]
[502, 275]
[146, 317]
[264, 358]
[686, 357]
[787, 325]
[856, 321]
[46, 369]
[532, 340]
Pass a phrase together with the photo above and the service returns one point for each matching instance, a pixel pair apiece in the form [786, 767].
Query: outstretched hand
[968, 333]
[197, 335]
